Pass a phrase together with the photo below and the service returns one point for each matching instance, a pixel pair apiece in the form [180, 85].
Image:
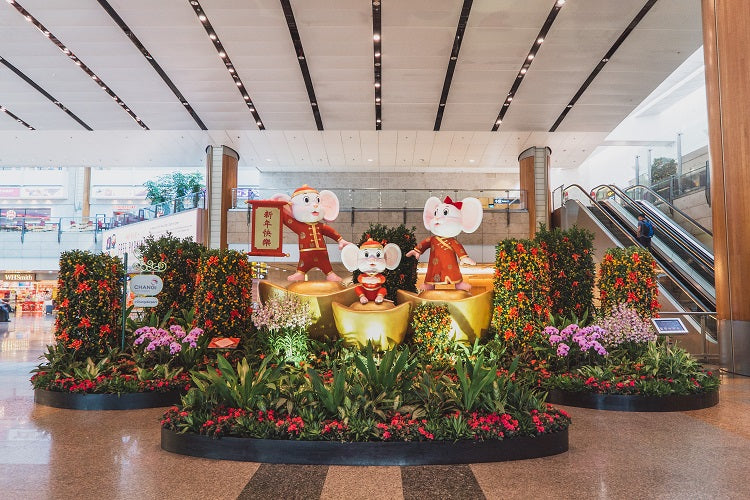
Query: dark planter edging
[627, 402]
[124, 401]
[365, 453]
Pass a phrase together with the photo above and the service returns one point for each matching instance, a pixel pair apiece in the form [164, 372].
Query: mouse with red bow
[445, 220]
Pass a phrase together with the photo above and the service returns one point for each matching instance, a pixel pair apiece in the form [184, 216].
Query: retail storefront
[29, 292]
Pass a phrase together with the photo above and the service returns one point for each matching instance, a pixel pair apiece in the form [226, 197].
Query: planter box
[626, 402]
[124, 401]
[365, 453]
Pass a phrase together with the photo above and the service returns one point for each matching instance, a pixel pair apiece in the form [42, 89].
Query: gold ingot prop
[470, 314]
[320, 295]
[384, 324]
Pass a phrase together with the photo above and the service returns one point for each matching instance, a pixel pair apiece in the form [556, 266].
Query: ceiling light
[523, 71]
[471, 161]
[377, 54]
[560, 3]
[376, 37]
[498, 122]
[539, 40]
[222, 54]
[378, 120]
[231, 70]
[268, 159]
[194, 2]
[453, 58]
[202, 18]
[369, 159]
[313, 103]
[377, 99]
[569, 106]
[239, 84]
[247, 97]
[301, 58]
[605, 60]
[259, 123]
[212, 36]
[510, 98]
[377, 85]
[531, 56]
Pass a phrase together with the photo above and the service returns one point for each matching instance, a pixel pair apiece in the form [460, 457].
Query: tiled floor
[60, 454]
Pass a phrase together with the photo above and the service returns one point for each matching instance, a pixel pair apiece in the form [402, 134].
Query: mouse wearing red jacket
[371, 258]
[446, 220]
[305, 210]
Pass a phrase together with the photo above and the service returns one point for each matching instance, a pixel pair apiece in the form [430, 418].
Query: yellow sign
[266, 232]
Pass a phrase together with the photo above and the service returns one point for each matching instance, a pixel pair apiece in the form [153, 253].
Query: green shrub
[181, 257]
[571, 267]
[89, 296]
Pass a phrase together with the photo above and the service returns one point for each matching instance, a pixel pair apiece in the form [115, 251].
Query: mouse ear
[392, 255]
[471, 214]
[330, 203]
[349, 256]
[429, 211]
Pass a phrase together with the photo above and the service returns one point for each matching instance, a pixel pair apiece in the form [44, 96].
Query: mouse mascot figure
[371, 258]
[305, 210]
[445, 220]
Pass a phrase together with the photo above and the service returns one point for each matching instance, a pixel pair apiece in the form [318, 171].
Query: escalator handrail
[671, 207]
[662, 218]
[697, 301]
[698, 255]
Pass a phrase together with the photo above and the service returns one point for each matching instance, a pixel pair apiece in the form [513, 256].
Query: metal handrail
[662, 227]
[671, 207]
[668, 273]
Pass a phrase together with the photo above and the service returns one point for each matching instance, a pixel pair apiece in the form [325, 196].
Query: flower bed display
[358, 406]
[620, 364]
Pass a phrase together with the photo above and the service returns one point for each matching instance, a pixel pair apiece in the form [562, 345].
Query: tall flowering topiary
[89, 297]
[571, 268]
[223, 294]
[522, 302]
[628, 275]
[404, 277]
[181, 257]
[432, 333]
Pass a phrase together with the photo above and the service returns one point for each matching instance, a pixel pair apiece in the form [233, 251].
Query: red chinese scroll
[267, 228]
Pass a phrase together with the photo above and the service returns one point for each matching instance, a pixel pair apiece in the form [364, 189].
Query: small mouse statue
[371, 258]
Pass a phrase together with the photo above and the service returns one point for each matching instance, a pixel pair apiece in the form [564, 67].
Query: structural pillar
[86, 205]
[725, 41]
[533, 166]
[221, 178]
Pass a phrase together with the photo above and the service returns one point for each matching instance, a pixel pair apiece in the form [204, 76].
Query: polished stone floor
[48, 453]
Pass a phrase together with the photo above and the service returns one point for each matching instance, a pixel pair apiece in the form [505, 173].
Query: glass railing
[397, 199]
[674, 186]
[23, 224]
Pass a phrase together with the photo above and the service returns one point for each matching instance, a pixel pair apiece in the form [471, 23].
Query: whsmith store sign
[17, 277]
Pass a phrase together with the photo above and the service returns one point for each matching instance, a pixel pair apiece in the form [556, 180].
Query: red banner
[267, 228]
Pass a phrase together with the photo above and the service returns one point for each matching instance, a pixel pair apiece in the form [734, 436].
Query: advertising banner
[128, 238]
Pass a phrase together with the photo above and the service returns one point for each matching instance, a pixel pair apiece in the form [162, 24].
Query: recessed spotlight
[377, 54]
[539, 40]
[510, 98]
[376, 3]
[377, 85]
[95, 77]
[247, 97]
[194, 2]
[369, 159]
[471, 161]
[212, 36]
[313, 103]
[239, 84]
[378, 120]
[453, 58]
[560, 3]
[605, 60]
[222, 54]
[202, 18]
[498, 122]
[523, 71]
[531, 56]
[442, 104]
[569, 106]
[231, 70]
[377, 99]
[376, 37]
[301, 58]
[268, 159]
[258, 123]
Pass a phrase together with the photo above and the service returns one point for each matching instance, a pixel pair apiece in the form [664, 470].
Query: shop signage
[146, 284]
[145, 302]
[19, 277]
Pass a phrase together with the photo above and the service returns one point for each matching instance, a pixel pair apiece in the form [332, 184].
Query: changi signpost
[145, 286]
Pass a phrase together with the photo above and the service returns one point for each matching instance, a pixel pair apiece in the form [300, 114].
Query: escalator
[685, 266]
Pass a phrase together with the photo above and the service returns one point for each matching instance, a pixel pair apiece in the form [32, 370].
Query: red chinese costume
[443, 264]
[312, 248]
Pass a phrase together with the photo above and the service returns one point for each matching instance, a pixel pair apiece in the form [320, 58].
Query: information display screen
[669, 326]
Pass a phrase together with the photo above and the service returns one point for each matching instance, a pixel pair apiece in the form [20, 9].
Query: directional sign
[145, 302]
[146, 284]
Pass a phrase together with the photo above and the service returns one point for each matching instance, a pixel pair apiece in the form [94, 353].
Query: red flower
[636, 258]
[65, 303]
[85, 323]
[231, 280]
[209, 323]
[234, 314]
[213, 260]
[83, 287]
[508, 335]
[209, 296]
[105, 329]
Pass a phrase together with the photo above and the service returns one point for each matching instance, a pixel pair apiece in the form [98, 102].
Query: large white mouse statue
[445, 220]
[372, 258]
[306, 208]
